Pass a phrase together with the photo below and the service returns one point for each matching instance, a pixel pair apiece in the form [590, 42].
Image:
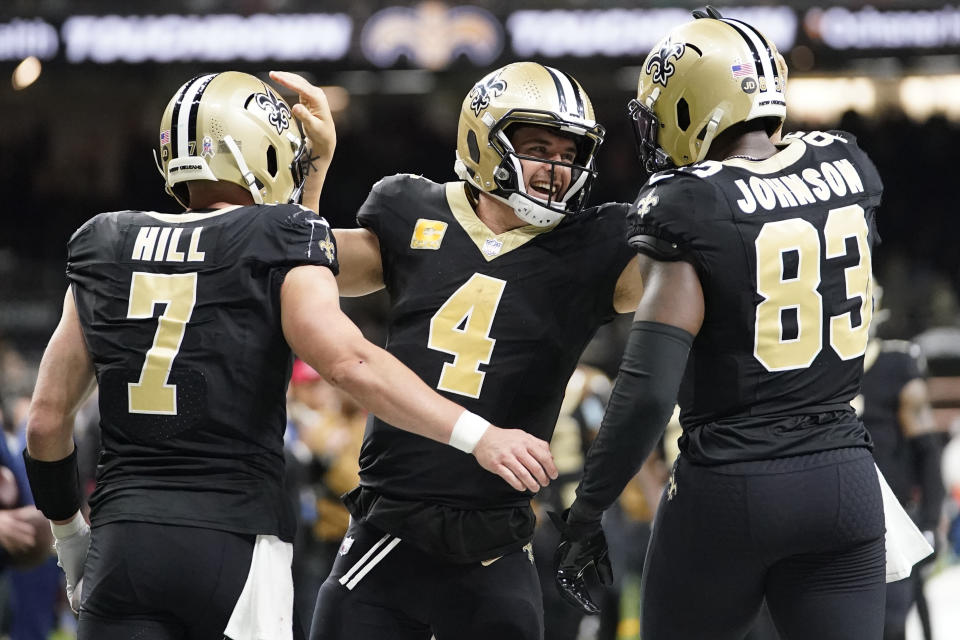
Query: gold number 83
[800, 293]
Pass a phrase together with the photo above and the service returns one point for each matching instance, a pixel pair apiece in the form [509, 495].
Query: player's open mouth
[543, 188]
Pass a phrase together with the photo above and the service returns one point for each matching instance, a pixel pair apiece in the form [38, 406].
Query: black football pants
[381, 588]
[806, 532]
[160, 582]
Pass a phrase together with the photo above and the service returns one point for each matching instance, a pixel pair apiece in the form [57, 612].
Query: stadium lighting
[822, 100]
[26, 73]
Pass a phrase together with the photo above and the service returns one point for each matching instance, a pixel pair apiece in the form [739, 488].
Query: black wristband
[55, 485]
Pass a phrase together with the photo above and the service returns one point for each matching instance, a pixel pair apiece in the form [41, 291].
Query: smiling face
[544, 180]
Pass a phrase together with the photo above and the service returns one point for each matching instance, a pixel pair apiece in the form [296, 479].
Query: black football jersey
[889, 365]
[181, 316]
[782, 249]
[496, 323]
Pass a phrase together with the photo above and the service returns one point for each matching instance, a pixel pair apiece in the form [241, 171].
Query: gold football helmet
[531, 94]
[704, 77]
[233, 127]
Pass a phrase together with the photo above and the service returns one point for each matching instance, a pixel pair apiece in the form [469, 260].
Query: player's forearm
[316, 175]
[639, 408]
[395, 394]
[64, 382]
[49, 431]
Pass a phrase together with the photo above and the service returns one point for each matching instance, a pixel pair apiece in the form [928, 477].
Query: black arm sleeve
[640, 406]
[927, 450]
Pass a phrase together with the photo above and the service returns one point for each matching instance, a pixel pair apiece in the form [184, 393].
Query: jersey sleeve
[390, 212]
[291, 236]
[608, 253]
[90, 245]
[383, 201]
[872, 183]
[663, 221]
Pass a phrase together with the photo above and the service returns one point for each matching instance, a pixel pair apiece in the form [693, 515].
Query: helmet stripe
[561, 96]
[578, 95]
[766, 45]
[759, 47]
[184, 121]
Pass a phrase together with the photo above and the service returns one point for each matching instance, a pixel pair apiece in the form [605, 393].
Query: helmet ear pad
[231, 127]
[525, 93]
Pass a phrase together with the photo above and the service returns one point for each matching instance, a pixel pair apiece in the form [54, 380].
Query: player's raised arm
[322, 335]
[313, 111]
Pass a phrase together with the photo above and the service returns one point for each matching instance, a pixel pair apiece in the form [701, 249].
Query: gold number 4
[461, 327]
[152, 394]
[800, 292]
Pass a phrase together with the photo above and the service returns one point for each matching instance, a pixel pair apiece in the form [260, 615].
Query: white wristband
[76, 524]
[467, 431]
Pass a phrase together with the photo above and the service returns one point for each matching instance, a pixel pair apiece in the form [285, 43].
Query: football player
[187, 322]
[497, 282]
[907, 447]
[756, 260]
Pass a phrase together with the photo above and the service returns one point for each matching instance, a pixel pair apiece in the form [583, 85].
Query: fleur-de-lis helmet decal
[659, 65]
[483, 91]
[278, 113]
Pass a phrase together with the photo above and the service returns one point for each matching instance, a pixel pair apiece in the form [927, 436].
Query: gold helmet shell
[231, 127]
[702, 78]
[531, 94]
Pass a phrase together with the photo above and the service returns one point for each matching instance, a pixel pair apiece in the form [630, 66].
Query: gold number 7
[152, 394]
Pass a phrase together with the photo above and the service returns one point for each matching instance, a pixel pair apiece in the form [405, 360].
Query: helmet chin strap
[531, 212]
[248, 176]
[710, 133]
[166, 186]
[525, 204]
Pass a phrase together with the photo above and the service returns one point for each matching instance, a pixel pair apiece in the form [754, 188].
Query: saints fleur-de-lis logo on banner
[658, 64]
[432, 35]
[483, 91]
[278, 113]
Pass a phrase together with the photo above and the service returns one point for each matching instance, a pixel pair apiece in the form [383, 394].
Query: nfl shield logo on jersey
[491, 247]
[345, 546]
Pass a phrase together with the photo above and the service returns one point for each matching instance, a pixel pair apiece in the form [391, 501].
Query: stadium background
[83, 84]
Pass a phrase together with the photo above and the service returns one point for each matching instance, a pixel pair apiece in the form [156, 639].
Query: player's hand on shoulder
[521, 459]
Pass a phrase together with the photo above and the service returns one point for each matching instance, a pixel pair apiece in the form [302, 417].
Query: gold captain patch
[428, 234]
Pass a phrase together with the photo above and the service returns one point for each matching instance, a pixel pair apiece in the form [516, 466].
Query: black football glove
[581, 545]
